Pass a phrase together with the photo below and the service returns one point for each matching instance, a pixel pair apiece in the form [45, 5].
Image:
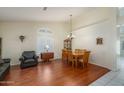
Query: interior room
[61, 46]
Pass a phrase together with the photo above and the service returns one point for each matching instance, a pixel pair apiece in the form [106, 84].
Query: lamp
[70, 36]
[22, 38]
[47, 47]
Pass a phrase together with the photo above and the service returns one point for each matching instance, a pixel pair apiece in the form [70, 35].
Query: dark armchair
[28, 59]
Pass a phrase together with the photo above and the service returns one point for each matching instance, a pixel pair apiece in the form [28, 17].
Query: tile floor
[112, 78]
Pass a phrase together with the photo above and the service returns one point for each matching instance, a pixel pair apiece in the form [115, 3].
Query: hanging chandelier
[71, 36]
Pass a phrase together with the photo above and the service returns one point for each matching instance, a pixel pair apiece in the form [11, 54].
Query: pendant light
[70, 36]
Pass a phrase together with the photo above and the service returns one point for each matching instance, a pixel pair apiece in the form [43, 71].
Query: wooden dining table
[76, 56]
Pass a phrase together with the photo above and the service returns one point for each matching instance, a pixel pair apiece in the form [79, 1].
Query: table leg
[72, 63]
[76, 64]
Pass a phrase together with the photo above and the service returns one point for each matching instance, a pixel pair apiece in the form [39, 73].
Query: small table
[46, 56]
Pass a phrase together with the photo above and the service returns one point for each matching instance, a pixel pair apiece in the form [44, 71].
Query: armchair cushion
[28, 54]
[29, 60]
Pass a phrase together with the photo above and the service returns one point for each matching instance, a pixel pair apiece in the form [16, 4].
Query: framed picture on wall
[99, 41]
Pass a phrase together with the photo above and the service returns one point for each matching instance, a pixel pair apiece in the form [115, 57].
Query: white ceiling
[37, 14]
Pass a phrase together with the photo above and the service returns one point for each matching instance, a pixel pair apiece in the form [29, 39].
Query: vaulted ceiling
[38, 14]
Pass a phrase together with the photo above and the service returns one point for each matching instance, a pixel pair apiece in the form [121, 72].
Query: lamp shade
[47, 46]
[71, 36]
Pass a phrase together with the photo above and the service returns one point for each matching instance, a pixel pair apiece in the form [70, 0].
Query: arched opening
[45, 41]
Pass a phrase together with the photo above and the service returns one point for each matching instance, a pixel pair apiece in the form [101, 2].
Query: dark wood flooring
[56, 73]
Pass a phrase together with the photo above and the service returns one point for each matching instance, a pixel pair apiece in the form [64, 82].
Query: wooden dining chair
[70, 58]
[84, 60]
[77, 50]
[80, 50]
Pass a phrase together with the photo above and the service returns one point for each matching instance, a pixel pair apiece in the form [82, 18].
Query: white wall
[101, 22]
[12, 46]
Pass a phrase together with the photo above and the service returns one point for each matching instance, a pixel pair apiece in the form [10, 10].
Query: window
[44, 38]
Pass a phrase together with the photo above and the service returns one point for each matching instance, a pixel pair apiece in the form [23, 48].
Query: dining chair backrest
[86, 56]
[77, 50]
[80, 50]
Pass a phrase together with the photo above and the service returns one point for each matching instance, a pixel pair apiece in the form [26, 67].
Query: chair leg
[72, 64]
[85, 64]
[76, 63]
[81, 64]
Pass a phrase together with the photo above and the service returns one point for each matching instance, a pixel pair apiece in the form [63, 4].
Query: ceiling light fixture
[70, 36]
[44, 8]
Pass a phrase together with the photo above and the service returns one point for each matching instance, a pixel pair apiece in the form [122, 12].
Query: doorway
[121, 47]
[0, 47]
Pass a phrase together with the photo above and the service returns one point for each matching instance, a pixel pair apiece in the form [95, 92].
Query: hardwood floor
[56, 73]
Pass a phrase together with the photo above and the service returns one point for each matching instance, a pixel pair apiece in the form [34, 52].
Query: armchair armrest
[21, 58]
[36, 57]
[7, 60]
